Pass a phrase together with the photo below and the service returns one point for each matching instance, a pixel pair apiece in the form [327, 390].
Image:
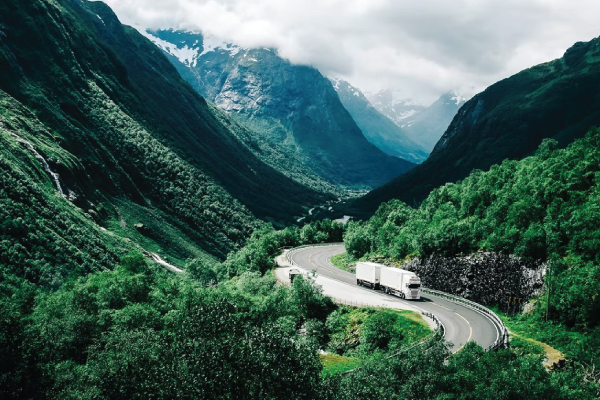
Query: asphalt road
[462, 323]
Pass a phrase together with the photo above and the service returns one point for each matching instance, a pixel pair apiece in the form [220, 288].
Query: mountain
[423, 125]
[105, 148]
[377, 128]
[292, 108]
[559, 99]
[427, 126]
[394, 106]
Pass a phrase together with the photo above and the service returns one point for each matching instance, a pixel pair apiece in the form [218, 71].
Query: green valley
[148, 234]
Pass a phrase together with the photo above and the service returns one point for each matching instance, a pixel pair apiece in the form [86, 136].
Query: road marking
[436, 304]
[470, 332]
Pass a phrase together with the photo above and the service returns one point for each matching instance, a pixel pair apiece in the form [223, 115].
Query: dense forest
[544, 207]
[224, 330]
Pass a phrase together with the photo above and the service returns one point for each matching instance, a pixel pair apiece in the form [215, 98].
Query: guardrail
[502, 332]
[436, 335]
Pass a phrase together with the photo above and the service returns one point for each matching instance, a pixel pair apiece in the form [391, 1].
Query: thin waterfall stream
[37, 155]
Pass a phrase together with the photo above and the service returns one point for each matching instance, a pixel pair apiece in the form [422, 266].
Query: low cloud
[421, 47]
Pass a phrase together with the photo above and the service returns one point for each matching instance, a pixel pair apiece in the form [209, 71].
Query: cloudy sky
[422, 48]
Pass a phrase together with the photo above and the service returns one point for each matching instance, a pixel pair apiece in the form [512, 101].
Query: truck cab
[413, 288]
[401, 283]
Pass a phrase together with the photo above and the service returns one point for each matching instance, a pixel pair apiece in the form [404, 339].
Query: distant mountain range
[423, 125]
[377, 128]
[291, 109]
[559, 99]
[394, 105]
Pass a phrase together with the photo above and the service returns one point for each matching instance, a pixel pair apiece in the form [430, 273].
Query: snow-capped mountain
[428, 126]
[393, 105]
[290, 108]
[377, 128]
[423, 125]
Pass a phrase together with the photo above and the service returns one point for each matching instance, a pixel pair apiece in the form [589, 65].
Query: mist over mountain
[427, 126]
[394, 105]
[423, 125]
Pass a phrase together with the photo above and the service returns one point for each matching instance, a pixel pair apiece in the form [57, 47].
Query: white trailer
[401, 283]
[368, 274]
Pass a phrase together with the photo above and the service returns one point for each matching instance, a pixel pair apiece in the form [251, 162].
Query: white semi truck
[401, 283]
[368, 274]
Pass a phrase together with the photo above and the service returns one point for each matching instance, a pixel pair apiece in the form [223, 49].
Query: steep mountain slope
[377, 128]
[292, 108]
[428, 126]
[559, 99]
[132, 143]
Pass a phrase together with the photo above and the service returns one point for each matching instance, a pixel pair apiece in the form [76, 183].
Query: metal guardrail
[502, 332]
[437, 334]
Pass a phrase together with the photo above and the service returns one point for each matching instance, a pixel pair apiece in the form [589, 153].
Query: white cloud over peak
[422, 47]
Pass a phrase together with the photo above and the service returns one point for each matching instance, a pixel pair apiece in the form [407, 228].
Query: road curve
[462, 324]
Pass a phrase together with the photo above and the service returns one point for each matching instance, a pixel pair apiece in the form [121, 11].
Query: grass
[334, 364]
[354, 329]
[343, 262]
[532, 346]
[164, 237]
[536, 336]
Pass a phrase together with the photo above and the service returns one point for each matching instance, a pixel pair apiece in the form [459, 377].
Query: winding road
[462, 323]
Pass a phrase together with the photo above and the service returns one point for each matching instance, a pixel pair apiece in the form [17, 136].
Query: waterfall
[37, 155]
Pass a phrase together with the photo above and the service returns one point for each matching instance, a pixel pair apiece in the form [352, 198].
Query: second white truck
[368, 274]
[401, 283]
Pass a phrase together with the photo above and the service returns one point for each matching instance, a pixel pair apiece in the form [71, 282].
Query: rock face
[288, 106]
[377, 128]
[509, 120]
[486, 278]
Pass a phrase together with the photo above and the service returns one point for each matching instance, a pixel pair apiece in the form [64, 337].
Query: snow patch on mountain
[186, 55]
[189, 55]
[212, 43]
[457, 98]
[394, 105]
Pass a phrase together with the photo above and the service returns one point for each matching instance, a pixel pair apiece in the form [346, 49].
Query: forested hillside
[139, 332]
[132, 143]
[544, 207]
[559, 99]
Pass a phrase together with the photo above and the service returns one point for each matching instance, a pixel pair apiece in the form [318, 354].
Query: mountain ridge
[293, 107]
[377, 128]
[558, 99]
[142, 159]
